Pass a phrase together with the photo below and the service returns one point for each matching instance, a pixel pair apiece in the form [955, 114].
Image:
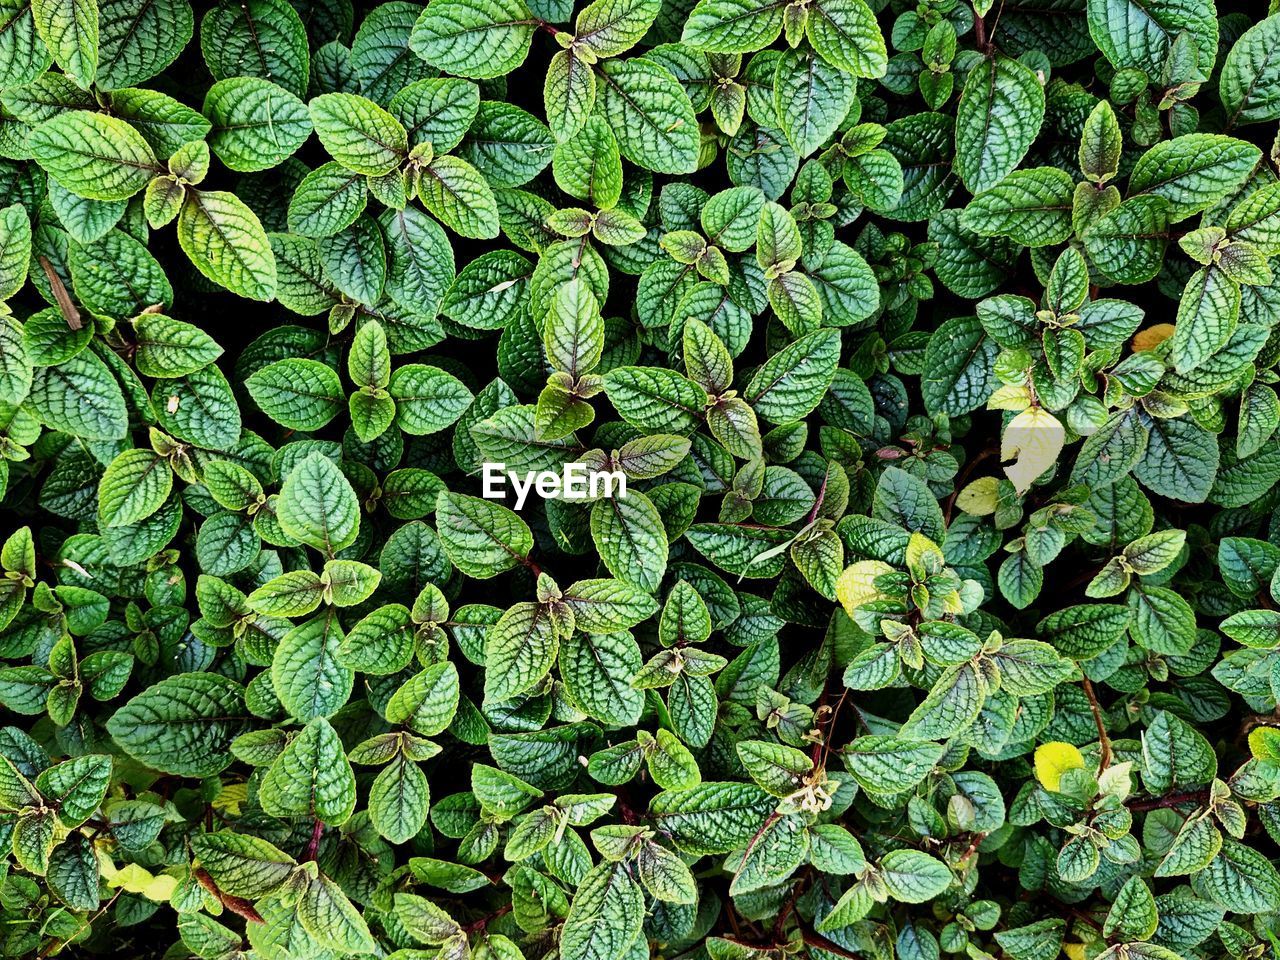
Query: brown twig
[1104, 742]
[817, 503]
[818, 941]
[1168, 800]
[980, 33]
[313, 845]
[59, 290]
[477, 925]
[53, 946]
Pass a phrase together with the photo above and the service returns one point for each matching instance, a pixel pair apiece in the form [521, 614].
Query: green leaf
[305, 672]
[610, 27]
[327, 914]
[1031, 207]
[135, 485]
[168, 348]
[482, 538]
[1207, 315]
[1127, 245]
[427, 702]
[1249, 85]
[327, 200]
[70, 30]
[573, 332]
[473, 38]
[1180, 460]
[317, 505]
[1240, 879]
[793, 381]
[15, 249]
[80, 397]
[733, 26]
[427, 398]
[137, 41]
[597, 671]
[23, 54]
[913, 876]
[455, 191]
[93, 155]
[1192, 172]
[650, 114]
[605, 916]
[256, 124]
[1133, 34]
[399, 801]
[296, 393]
[1082, 632]
[226, 242]
[713, 817]
[655, 399]
[1101, 144]
[242, 865]
[960, 367]
[631, 538]
[1175, 754]
[257, 38]
[998, 117]
[182, 724]
[846, 35]
[311, 778]
[358, 133]
[1133, 916]
[812, 98]
[76, 787]
[952, 704]
[520, 650]
[884, 764]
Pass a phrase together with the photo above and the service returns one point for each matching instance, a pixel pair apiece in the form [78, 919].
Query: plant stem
[313, 845]
[478, 925]
[1103, 740]
[1168, 800]
[818, 941]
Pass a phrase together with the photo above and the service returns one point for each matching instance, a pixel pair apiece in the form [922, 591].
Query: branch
[60, 295]
[313, 845]
[477, 925]
[980, 33]
[1168, 800]
[819, 942]
[1103, 740]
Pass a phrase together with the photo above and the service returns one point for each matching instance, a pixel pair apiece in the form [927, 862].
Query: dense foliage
[936, 343]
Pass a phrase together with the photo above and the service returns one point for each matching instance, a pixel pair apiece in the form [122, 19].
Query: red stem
[1169, 800]
[313, 845]
[478, 925]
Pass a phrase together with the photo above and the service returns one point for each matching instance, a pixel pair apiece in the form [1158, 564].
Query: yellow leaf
[980, 497]
[1264, 743]
[1035, 438]
[1011, 396]
[856, 585]
[133, 878]
[924, 554]
[1152, 337]
[1053, 760]
[231, 799]
[1074, 951]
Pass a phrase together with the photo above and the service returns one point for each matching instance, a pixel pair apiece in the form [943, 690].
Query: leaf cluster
[937, 346]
